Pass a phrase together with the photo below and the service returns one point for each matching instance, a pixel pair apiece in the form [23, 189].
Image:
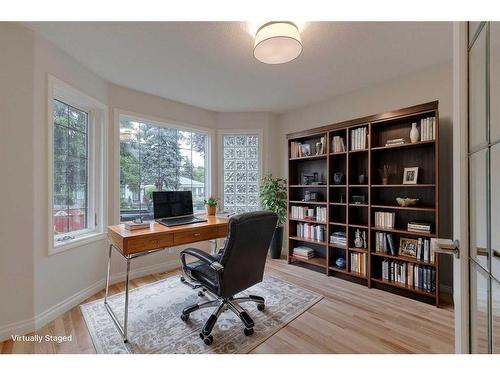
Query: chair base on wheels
[224, 304]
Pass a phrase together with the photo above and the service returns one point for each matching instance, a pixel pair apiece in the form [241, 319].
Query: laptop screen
[172, 204]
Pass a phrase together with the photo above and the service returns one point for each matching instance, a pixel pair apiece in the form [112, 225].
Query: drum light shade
[277, 43]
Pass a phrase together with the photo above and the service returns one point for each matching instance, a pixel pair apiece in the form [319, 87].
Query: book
[391, 244]
[130, 225]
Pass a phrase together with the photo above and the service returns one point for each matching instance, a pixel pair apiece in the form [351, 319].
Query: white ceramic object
[414, 134]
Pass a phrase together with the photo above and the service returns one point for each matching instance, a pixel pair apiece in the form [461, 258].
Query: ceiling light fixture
[277, 42]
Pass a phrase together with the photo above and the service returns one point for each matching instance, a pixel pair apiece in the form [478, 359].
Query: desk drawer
[195, 235]
[136, 245]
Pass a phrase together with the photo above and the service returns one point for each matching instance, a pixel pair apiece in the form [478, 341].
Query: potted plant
[211, 204]
[272, 194]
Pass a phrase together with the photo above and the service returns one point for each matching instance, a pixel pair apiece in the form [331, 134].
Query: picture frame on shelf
[410, 176]
[305, 149]
[408, 247]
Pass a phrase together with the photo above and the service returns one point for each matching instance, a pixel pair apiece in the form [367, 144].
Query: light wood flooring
[349, 319]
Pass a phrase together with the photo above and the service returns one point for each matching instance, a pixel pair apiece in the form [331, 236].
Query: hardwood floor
[349, 319]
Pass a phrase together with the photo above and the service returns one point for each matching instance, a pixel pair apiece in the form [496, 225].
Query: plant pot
[211, 210]
[385, 180]
[277, 243]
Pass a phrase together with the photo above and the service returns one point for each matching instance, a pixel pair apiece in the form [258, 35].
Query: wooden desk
[133, 244]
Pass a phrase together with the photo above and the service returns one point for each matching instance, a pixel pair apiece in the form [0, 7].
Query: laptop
[173, 208]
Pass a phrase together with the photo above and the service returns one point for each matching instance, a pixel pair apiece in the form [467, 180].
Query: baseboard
[29, 325]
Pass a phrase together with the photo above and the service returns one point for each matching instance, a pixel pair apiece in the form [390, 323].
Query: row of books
[339, 239]
[384, 243]
[306, 213]
[338, 144]
[419, 226]
[296, 150]
[314, 232]
[428, 129]
[413, 275]
[303, 252]
[357, 263]
[358, 138]
[384, 219]
[424, 250]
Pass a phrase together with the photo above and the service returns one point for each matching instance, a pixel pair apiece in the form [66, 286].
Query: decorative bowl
[405, 202]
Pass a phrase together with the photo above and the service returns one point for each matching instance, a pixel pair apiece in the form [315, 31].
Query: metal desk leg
[122, 330]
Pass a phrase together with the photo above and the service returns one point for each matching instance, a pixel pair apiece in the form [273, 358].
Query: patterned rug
[155, 325]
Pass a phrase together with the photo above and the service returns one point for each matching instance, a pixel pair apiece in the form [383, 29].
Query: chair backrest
[244, 254]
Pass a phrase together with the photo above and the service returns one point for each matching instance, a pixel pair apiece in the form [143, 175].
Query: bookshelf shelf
[308, 240]
[307, 221]
[402, 231]
[410, 208]
[403, 286]
[316, 261]
[406, 145]
[352, 218]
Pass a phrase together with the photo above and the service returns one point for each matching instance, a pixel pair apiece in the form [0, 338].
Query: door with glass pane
[484, 185]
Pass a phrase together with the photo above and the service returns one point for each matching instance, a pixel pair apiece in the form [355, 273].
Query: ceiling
[211, 64]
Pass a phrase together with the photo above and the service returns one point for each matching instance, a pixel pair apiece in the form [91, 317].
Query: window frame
[164, 123]
[96, 165]
[220, 140]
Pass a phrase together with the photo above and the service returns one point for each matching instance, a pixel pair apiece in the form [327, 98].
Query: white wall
[427, 85]
[16, 158]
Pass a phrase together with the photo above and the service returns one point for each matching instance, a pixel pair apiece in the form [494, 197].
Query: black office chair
[238, 266]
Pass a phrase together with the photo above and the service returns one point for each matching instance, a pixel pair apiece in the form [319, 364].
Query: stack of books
[428, 129]
[384, 219]
[306, 213]
[303, 252]
[339, 239]
[131, 225]
[384, 243]
[358, 263]
[338, 144]
[313, 232]
[413, 275]
[394, 142]
[419, 226]
[358, 139]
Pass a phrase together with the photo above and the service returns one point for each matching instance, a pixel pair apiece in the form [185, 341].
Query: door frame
[461, 292]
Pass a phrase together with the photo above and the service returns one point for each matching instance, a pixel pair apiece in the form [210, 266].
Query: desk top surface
[155, 228]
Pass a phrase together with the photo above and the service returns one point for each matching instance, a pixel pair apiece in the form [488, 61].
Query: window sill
[77, 242]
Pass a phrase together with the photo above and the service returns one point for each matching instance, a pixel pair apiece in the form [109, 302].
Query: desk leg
[125, 320]
[107, 274]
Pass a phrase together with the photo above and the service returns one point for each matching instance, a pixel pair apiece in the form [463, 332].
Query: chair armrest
[203, 256]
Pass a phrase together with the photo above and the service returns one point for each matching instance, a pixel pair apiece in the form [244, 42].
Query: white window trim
[165, 123]
[97, 164]
[220, 135]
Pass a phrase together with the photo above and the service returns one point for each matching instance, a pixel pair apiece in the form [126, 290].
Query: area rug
[155, 325]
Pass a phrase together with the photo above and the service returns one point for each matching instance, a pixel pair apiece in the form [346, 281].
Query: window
[241, 170]
[77, 160]
[70, 194]
[154, 157]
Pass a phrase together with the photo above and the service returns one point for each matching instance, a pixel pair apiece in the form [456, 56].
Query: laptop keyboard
[180, 221]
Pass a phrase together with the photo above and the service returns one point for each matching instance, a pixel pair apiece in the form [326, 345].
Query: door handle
[446, 246]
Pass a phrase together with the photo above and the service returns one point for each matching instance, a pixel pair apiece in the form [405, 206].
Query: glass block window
[241, 166]
[154, 157]
[70, 197]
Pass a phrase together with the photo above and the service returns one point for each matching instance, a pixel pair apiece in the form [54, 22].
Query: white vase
[414, 134]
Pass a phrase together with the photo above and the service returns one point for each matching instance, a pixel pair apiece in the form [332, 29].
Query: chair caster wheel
[208, 340]
[201, 294]
[261, 307]
[248, 331]
[184, 317]
[182, 279]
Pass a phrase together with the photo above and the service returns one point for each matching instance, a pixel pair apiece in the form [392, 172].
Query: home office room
[204, 185]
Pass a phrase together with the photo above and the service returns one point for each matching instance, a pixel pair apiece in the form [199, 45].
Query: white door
[476, 186]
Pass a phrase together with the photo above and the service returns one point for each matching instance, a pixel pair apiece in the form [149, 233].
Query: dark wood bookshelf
[360, 169]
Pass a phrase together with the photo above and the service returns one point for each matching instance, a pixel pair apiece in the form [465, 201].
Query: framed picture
[410, 176]
[305, 149]
[408, 247]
